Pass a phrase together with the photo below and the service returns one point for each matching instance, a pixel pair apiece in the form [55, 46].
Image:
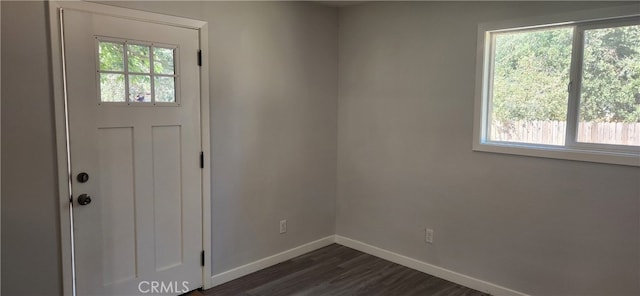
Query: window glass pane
[165, 89]
[112, 87]
[529, 88]
[163, 60]
[610, 94]
[139, 88]
[138, 58]
[111, 56]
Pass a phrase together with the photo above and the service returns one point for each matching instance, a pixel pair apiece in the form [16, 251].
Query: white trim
[128, 13]
[433, 270]
[611, 154]
[206, 149]
[452, 276]
[243, 270]
[61, 147]
[558, 152]
[60, 121]
[568, 18]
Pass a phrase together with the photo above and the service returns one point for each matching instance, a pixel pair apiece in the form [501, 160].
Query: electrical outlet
[428, 236]
[283, 226]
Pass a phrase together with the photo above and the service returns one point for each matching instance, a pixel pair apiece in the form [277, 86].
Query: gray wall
[274, 115]
[274, 133]
[274, 136]
[405, 120]
[30, 227]
[406, 81]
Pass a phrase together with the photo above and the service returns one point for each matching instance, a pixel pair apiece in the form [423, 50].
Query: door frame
[56, 9]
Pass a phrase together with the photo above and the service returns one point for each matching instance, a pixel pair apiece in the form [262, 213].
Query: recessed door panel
[118, 211]
[167, 190]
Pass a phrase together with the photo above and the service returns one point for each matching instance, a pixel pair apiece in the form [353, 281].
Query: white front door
[134, 129]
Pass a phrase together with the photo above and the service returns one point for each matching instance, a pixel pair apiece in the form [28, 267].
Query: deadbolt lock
[84, 199]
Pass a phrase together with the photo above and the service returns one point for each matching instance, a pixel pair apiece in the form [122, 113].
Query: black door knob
[82, 177]
[84, 199]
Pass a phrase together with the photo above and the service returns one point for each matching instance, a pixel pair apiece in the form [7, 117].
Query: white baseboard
[418, 265]
[243, 270]
[436, 271]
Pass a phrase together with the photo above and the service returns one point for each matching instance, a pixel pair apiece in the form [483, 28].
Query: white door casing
[145, 221]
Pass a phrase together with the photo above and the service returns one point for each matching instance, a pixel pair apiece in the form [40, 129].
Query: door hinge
[202, 258]
[201, 160]
[199, 57]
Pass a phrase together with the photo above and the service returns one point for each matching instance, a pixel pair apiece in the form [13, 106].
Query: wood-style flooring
[338, 271]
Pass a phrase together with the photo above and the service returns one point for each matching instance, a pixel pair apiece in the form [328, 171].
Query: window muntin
[571, 147]
[136, 73]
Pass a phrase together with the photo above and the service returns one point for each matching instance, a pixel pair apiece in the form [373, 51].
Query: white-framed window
[136, 73]
[563, 86]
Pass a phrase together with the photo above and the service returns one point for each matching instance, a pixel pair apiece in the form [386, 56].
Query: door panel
[144, 222]
[167, 184]
[115, 154]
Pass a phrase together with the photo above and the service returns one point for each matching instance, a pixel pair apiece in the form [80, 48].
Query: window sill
[559, 152]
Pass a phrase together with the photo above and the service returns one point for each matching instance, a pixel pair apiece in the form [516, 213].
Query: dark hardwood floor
[338, 270]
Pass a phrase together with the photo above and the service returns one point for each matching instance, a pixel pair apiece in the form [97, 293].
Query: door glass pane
[111, 56]
[163, 60]
[165, 89]
[112, 87]
[138, 58]
[529, 88]
[610, 93]
[139, 88]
